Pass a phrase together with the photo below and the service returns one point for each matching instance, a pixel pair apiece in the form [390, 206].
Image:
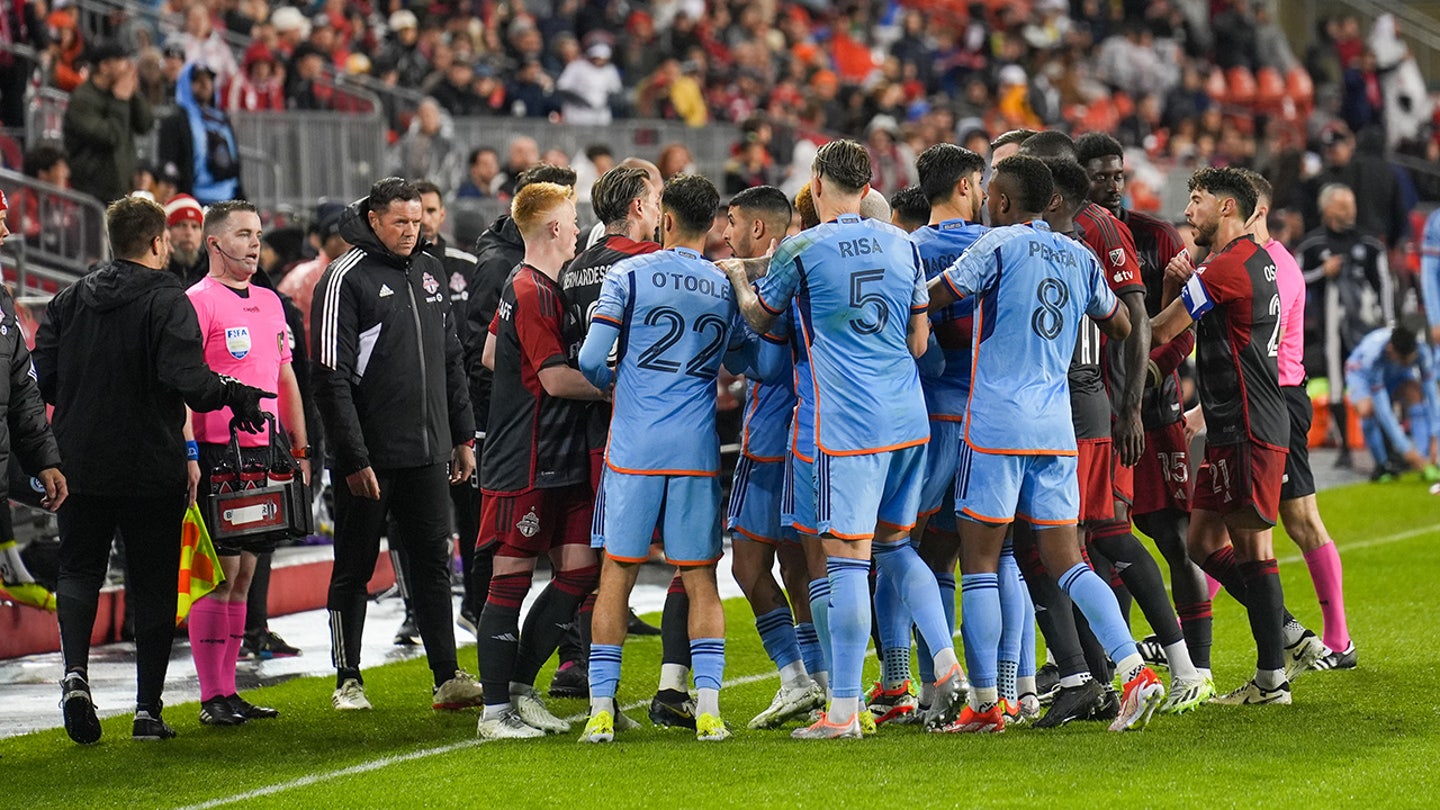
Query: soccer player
[756, 218]
[1299, 511]
[861, 296]
[1233, 298]
[950, 180]
[243, 329]
[1018, 457]
[1430, 274]
[535, 476]
[1389, 368]
[1161, 506]
[909, 210]
[674, 315]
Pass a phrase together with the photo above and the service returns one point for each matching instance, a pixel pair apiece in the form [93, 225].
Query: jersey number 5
[859, 299]
[698, 366]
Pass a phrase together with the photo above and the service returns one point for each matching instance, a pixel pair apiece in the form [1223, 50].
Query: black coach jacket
[24, 430]
[389, 372]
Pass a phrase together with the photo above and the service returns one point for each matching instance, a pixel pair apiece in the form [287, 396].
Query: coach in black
[390, 380]
[120, 355]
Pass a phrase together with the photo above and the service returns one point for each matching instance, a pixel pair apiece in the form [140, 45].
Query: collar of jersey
[950, 224]
[848, 218]
[688, 253]
[1039, 224]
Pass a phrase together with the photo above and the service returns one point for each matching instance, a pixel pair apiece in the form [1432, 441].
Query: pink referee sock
[232, 647]
[1214, 585]
[1326, 573]
[209, 637]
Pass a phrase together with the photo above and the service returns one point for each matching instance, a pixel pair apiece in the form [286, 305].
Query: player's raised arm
[595, 353]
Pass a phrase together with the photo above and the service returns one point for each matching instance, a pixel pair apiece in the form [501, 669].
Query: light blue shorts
[941, 456]
[756, 494]
[855, 494]
[995, 488]
[685, 507]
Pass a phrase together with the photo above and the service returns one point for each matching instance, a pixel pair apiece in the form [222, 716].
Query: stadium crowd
[405, 361]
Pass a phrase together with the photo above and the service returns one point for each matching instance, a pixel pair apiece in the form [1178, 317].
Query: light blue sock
[1420, 428]
[777, 635]
[1027, 638]
[918, 589]
[980, 607]
[894, 620]
[707, 662]
[849, 624]
[820, 616]
[1012, 614]
[1096, 600]
[1375, 439]
[810, 648]
[604, 670]
[946, 583]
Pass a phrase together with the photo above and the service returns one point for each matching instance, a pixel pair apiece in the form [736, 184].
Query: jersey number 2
[697, 366]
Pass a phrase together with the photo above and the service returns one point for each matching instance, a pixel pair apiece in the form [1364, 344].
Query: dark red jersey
[1156, 243]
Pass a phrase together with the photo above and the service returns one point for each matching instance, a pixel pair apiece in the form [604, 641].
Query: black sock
[1198, 627]
[1096, 659]
[551, 617]
[482, 568]
[498, 640]
[675, 626]
[1054, 614]
[1266, 609]
[1142, 578]
[257, 605]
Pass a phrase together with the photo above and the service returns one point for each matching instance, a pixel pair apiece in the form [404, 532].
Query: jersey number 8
[1049, 319]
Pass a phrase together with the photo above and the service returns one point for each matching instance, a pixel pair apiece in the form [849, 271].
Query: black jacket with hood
[389, 372]
[24, 429]
[120, 355]
[498, 250]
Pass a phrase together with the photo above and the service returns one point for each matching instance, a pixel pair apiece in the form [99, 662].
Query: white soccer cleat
[350, 697]
[507, 726]
[789, 704]
[460, 692]
[532, 710]
[1302, 655]
[1252, 695]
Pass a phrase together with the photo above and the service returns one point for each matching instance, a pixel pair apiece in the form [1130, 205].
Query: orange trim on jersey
[1113, 310]
[691, 473]
[950, 285]
[804, 529]
[916, 308]
[994, 521]
[870, 450]
[606, 318]
[926, 513]
[761, 459]
[631, 560]
[839, 536]
[1037, 522]
[896, 526]
[763, 305]
[1005, 451]
[769, 541]
[692, 563]
[943, 417]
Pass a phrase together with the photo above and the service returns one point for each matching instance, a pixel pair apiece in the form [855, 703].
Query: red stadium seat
[1270, 89]
[1242, 86]
[1216, 88]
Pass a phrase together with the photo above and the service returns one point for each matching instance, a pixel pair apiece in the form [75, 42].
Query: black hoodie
[389, 372]
[497, 252]
[23, 426]
[120, 355]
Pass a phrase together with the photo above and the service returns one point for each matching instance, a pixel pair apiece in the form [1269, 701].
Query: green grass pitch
[1368, 736]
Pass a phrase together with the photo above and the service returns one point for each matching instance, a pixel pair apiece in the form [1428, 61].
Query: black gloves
[244, 401]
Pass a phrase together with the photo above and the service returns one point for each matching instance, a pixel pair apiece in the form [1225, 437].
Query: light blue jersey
[1430, 268]
[940, 246]
[855, 282]
[1031, 287]
[675, 317]
[770, 402]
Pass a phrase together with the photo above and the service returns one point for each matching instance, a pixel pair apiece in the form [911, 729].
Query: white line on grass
[424, 753]
[1377, 541]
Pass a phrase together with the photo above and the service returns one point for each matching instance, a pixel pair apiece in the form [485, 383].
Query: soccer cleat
[507, 726]
[250, 711]
[896, 705]
[1071, 703]
[1011, 711]
[1338, 659]
[148, 726]
[468, 622]
[1029, 712]
[532, 710]
[572, 680]
[1047, 683]
[265, 646]
[989, 721]
[29, 593]
[624, 723]
[788, 704]
[710, 728]
[1107, 706]
[218, 712]
[867, 722]
[80, 721]
[1252, 695]
[600, 728]
[672, 714]
[639, 627]
[1186, 695]
[823, 729]
[460, 692]
[1141, 696]
[950, 691]
[350, 697]
[1303, 654]
[1153, 653]
[408, 634]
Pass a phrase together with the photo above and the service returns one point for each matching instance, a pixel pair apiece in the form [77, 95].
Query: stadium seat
[1242, 86]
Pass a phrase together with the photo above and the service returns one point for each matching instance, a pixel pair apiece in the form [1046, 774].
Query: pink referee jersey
[1291, 283]
[245, 338]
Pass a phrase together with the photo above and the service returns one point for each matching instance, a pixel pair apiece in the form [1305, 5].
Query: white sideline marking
[424, 753]
[1377, 541]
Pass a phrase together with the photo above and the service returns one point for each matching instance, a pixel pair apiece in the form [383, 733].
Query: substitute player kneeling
[674, 314]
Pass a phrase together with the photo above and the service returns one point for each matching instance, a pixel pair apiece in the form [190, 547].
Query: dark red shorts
[1097, 501]
[597, 468]
[539, 520]
[1234, 476]
[1122, 479]
[1162, 478]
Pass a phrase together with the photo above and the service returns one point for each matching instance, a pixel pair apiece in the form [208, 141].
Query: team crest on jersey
[457, 283]
[1117, 257]
[529, 525]
[429, 283]
[237, 341]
